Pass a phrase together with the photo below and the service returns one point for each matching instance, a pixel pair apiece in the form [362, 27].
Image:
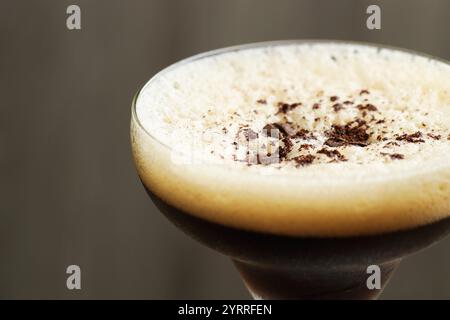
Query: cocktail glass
[276, 266]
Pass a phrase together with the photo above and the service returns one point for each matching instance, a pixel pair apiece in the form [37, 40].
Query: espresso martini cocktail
[303, 161]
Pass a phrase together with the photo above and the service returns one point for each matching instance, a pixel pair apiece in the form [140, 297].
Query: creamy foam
[300, 139]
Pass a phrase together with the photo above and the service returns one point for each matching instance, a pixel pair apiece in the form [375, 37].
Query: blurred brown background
[69, 193]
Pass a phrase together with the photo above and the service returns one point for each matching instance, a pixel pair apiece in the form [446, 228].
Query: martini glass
[276, 266]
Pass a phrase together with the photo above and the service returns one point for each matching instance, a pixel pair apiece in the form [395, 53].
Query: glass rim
[262, 44]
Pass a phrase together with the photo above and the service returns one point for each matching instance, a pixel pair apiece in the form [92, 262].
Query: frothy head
[300, 122]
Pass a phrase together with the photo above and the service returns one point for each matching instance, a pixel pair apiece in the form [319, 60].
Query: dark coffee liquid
[283, 267]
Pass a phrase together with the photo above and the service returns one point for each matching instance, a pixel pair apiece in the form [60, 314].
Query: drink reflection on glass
[303, 161]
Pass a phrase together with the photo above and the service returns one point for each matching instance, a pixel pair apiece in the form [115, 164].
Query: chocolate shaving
[434, 136]
[413, 138]
[337, 107]
[305, 147]
[305, 134]
[391, 143]
[394, 156]
[334, 98]
[286, 107]
[316, 106]
[304, 160]
[353, 133]
[262, 101]
[334, 142]
[284, 150]
[335, 154]
[368, 107]
[364, 91]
